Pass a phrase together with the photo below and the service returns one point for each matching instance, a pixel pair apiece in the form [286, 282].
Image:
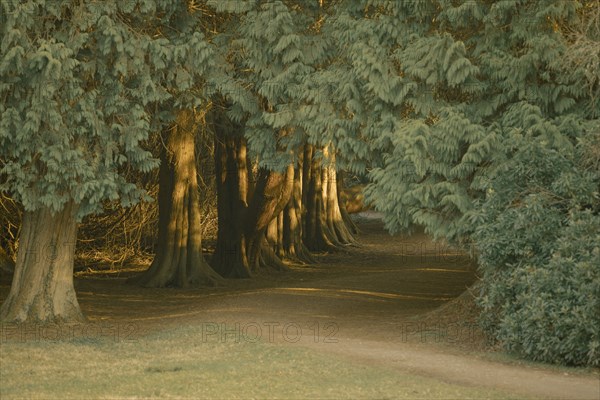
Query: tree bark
[242, 245]
[271, 194]
[342, 204]
[230, 259]
[324, 226]
[250, 214]
[333, 215]
[292, 242]
[314, 239]
[42, 289]
[179, 261]
[317, 236]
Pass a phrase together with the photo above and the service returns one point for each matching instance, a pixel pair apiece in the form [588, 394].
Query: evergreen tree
[178, 259]
[451, 102]
[78, 79]
[273, 48]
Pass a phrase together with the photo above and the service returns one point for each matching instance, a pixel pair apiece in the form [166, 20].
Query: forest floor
[389, 318]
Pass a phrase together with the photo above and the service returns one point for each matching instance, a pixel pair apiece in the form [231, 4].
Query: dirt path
[374, 304]
[469, 370]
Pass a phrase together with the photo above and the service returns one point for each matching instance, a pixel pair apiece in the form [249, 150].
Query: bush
[539, 254]
[553, 316]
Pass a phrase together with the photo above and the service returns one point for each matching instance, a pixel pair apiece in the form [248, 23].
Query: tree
[324, 225]
[10, 219]
[541, 291]
[230, 258]
[244, 210]
[179, 260]
[289, 230]
[78, 80]
[264, 50]
[473, 128]
[274, 49]
[457, 82]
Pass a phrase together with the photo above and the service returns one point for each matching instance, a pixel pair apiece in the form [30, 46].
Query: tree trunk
[179, 261]
[311, 199]
[246, 209]
[333, 214]
[271, 194]
[275, 235]
[324, 226]
[317, 236]
[342, 204]
[250, 236]
[292, 245]
[42, 288]
[230, 258]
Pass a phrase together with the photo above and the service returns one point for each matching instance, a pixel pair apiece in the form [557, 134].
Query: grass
[180, 364]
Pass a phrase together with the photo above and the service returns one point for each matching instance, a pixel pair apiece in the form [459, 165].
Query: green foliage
[547, 310]
[78, 81]
[475, 119]
[271, 50]
[474, 127]
[539, 250]
[465, 76]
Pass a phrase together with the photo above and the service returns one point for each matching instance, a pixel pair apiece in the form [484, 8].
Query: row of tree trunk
[268, 216]
[264, 217]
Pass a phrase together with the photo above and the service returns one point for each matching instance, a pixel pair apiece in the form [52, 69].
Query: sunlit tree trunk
[340, 231]
[179, 261]
[42, 288]
[290, 243]
[314, 237]
[324, 225]
[275, 235]
[351, 226]
[272, 193]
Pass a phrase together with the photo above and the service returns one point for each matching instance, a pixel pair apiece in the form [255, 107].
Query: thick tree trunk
[230, 259]
[342, 204]
[242, 245]
[317, 235]
[179, 261]
[250, 213]
[333, 214]
[275, 235]
[42, 288]
[314, 238]
[272, 192]
[324, 226]
[292, 242]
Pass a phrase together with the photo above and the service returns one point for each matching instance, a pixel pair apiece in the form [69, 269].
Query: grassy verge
[184, 364]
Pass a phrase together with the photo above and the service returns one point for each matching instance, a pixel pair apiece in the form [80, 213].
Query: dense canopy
[477, 120]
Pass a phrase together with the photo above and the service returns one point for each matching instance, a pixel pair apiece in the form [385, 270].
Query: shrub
[539, 254]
